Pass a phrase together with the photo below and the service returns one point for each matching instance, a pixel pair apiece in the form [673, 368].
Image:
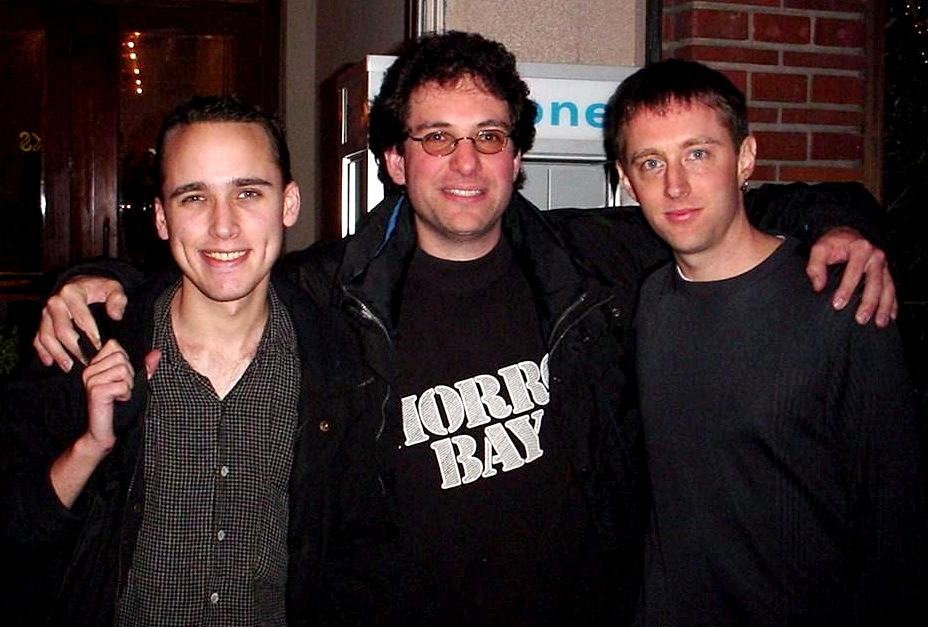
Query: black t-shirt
[492, 518]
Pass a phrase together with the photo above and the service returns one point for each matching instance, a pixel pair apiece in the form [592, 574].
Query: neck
[733, 259]
[218, 339]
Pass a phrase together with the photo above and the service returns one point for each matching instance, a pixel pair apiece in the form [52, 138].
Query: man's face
[685, 171]
[458, 199]
[223, 208]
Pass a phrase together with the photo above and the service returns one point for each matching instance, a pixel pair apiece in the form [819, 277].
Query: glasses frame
[457, 140]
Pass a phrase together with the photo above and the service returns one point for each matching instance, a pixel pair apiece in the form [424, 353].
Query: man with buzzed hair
[781, 437]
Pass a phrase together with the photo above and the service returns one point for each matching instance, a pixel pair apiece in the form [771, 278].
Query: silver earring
[744, 186]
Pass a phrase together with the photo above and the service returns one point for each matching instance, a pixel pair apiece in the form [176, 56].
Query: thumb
[151, 362]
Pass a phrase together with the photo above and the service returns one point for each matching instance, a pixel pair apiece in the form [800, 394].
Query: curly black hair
[444, 59]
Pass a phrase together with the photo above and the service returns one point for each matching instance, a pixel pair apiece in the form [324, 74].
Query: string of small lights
[920, 22]
[131, 55]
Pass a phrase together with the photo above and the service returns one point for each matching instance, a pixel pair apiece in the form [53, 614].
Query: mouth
[463, 193]
[680, 215]
[224, 256]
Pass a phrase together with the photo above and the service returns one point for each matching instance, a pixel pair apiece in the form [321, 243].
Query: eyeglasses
[442, 144]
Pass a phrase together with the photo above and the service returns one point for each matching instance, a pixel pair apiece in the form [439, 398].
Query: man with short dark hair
[172, 507]
[485, 468]
[781, 437]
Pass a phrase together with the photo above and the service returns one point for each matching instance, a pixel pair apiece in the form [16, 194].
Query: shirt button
[223, 471]
[214, 598]
[221, 535]
[324, 426]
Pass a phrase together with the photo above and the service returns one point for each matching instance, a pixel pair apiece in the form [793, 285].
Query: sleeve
[123, 271]
[808, 211]
[611, 238]
[43, 413]
[878, 407]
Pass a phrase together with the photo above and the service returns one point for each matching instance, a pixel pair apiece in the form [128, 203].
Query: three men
[781, 438]
[483, 466]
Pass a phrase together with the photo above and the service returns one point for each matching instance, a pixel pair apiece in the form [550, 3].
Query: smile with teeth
[220, 255]
[466, 193]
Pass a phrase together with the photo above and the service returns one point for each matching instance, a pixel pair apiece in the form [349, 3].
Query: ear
[626, 183]
[291, 204]
[746, 159]
[396, 165]
[516, 166]
[161, 221]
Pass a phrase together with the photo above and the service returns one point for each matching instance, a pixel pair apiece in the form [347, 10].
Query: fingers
[53, 342]
[878, 299]
[817, 268]
[116, 302]
[858, 254]
[57, 339]
[109, 375]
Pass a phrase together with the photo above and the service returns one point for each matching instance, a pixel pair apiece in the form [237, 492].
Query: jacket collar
[376, 258]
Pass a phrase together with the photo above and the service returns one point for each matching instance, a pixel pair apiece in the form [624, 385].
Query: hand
[108, 378]
[843, 244]
[56, 340]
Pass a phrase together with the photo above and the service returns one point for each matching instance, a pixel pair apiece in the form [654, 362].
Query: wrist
[89, 447]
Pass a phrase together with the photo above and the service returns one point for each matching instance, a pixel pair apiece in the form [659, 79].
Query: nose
[676, 183]
[465, 159]
[223, 219]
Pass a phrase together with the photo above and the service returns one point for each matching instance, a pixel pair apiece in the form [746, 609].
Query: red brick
[822, 116]
[773, 145]
[848, 6]
[764, 173]
[711, 24]
[779, 87]
[738, 77]
[730, 54]
[837, 146]
[667, 26]
[785, 29]
[831, 61]
[813, 174]
[763, 115]
[837, 89]
[845, 33]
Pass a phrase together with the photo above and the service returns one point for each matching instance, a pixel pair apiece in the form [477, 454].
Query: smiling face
[457, 199]
[685, 171]
[223, 208]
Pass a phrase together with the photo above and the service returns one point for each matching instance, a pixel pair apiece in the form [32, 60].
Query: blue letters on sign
[566, 113]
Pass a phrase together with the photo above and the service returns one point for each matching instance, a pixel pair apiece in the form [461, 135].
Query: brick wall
[802, 65]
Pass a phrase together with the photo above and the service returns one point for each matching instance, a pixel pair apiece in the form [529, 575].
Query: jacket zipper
[365, 312]
[558, 333]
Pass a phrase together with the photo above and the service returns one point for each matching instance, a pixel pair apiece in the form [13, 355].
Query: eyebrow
[479, 125]
[239, 182]
[695, 141]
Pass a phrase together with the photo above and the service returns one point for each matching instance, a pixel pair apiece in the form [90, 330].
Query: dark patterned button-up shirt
[212, 549]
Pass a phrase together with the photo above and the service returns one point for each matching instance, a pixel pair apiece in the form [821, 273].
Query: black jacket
[584, 268]
[584, 303]
[67, 566]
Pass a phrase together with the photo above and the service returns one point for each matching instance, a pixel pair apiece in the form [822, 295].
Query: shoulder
[615, 238]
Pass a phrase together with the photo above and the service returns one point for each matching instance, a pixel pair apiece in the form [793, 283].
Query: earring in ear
[744, 186]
